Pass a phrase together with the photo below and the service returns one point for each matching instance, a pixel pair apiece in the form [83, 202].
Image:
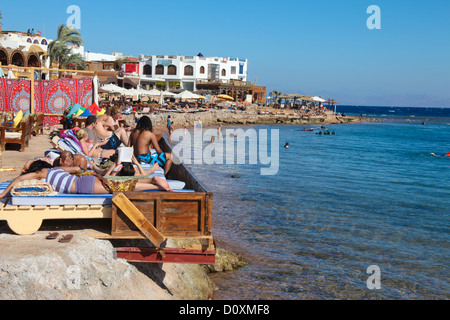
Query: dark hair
[38, 165]
[127, 170]
[144, 123]
[90, 120]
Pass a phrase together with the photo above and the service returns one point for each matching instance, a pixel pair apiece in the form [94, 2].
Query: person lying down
[64, 180]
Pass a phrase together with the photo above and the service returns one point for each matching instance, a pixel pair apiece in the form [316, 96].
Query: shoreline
[37, 249]
[251, 116]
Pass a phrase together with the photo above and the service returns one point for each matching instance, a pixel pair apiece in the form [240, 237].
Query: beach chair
[20, 135]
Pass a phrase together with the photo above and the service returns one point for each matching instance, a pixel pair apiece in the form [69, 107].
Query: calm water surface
[369, 195]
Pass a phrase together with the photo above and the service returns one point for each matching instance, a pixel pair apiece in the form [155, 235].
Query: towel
[33, 188]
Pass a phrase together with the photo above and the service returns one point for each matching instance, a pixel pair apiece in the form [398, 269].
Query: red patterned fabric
[51, 96]
[14, 95]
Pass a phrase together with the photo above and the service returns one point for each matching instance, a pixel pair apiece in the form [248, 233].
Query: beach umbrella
[186, 95]
[152, 92]
[225, 97]
[168, 94]
[317, 99]
[112, 88]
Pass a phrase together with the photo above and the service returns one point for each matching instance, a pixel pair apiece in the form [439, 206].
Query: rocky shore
[33, 268]
[251, 116]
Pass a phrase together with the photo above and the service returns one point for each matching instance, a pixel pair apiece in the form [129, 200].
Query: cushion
[73, 109]
[32, 188]
[86, 113]
[80, 112]
[13, 135]
[93, 108]
[17, 119]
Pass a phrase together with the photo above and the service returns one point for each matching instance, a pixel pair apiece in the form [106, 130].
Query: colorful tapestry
[51, 96]
[54, 96]
[14, 95]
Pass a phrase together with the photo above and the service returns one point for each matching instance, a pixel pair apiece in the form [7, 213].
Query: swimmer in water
[286, 145]
[440, 155]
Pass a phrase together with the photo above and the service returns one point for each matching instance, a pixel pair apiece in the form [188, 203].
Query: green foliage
[59, 49]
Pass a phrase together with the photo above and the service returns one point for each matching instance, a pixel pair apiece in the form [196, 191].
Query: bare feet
[161, 184]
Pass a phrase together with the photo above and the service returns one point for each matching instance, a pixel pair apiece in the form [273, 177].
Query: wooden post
[32, 90]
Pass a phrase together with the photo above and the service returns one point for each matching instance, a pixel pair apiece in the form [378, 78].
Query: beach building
[23, 49]
[215, 75]
[184, 72]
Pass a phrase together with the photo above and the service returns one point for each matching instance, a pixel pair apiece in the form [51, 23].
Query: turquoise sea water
[369, 195]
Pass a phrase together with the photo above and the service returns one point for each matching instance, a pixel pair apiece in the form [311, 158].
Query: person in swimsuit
[141, 138]
[64, 180]
[116, 137]
[92, 150]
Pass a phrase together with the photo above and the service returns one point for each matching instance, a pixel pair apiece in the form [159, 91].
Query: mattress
[84, 199]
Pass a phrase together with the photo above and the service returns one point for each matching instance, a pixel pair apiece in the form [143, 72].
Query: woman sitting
[64, 180]
[92, 150]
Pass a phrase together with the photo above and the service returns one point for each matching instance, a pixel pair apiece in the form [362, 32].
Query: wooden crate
[181, 214]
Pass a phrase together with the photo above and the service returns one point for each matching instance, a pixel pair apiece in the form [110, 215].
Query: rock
[226, 261]
[87, 269]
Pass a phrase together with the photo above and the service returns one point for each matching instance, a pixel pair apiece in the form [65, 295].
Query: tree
[276, 94]
[60, 50]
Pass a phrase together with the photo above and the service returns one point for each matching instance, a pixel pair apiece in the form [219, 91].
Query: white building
[187, 70]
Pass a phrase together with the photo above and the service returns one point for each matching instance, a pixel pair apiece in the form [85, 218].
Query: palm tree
[60, 49]
[276, 94]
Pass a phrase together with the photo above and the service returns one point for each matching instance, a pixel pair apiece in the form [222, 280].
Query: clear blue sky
[318, 47]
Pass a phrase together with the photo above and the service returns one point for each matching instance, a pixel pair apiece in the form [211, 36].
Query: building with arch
[184, 72]
[23, 49]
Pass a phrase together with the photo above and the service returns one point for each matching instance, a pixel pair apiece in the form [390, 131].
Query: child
[90, 149]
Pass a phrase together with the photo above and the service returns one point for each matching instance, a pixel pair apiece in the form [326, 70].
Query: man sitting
[141, 138]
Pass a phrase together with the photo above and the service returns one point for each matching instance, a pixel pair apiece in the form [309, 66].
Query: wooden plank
[147, 229]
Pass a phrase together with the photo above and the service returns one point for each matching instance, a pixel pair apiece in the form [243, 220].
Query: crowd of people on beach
[84, 159]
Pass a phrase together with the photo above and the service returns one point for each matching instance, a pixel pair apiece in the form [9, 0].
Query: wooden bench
[20, 135]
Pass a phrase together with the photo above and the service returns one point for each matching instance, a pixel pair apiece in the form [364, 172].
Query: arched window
[36, 41]
[202, 70]
[3, 57]
[224, 73]
[33, 61]
[29, 40]
[188, 71]
[44, 42]
[172, 70]
[18, 59]
[159, 69]
[147, 69]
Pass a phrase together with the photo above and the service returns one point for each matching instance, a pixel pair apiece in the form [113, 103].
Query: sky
[321, 47]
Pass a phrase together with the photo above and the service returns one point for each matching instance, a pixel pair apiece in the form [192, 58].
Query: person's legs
[122, 135]
[152, 183]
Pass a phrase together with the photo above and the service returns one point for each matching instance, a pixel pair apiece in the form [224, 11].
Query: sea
[360, 214]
